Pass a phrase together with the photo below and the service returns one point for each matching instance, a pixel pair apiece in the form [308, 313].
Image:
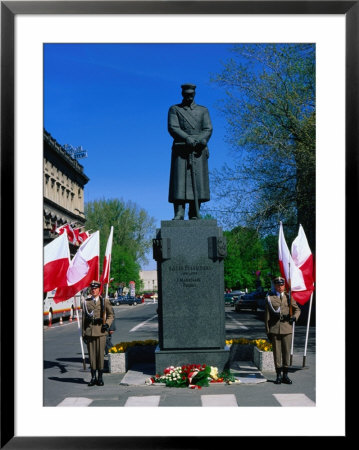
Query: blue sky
[113, 100]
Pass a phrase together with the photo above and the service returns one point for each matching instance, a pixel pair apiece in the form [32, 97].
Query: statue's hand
[191, 141]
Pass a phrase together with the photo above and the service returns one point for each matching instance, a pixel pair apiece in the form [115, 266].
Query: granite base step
[243, 371]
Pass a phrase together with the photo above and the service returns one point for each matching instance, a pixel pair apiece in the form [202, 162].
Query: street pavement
[129, 389]
[65, 382]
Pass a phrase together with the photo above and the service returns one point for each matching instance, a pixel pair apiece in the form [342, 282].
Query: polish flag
[287, 266]
[60, 230]
[69, 231]
[84, 235]
[56, 263]
[105, 277]
[83, 268]
[79, 239]
[303, 259]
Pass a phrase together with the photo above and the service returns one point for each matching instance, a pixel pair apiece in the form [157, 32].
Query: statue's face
[188, 97]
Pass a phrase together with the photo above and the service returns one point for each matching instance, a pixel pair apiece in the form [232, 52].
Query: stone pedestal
[189, 257]
[117, 362]
[263, 360]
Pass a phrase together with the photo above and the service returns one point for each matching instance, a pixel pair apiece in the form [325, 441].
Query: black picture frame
[9, 10]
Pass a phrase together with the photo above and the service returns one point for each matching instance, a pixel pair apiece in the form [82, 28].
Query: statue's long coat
[180, 186]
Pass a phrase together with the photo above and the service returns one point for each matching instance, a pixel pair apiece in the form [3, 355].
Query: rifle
[103, 308]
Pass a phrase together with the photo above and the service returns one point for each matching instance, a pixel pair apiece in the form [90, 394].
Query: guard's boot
[100, 380]
[179, 209]
[93, 380]
[279, 376]
[285, 378]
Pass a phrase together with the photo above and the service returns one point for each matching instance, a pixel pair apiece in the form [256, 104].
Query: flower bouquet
[191, 375]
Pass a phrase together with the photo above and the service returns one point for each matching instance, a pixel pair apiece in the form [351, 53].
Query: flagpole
[307, 333]
[291, 350]
[81, 341]
[290, 313]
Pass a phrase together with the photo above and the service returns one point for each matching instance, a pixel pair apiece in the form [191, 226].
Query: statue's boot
[179, 209]
[192, 211]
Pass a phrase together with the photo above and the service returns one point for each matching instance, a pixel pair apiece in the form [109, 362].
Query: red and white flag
[83, 268]
[105, 277]
[287, 266]
[69, 231]
[78, 236]
[60, 230]
[56, 263]
[83, 236]
[303, 259]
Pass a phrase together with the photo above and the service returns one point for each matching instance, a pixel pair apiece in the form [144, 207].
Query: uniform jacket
[92, 323]
[184, 121]
[273, 323]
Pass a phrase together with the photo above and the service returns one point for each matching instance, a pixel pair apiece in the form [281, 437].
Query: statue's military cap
[188, 87]
[279, 280]
[95, 283]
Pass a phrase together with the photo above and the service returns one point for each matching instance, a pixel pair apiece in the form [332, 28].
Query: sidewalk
[254, 389]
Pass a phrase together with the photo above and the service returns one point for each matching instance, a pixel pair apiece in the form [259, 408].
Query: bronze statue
[190, 126]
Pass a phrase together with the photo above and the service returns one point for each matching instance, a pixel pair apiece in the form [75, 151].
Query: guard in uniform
[279, 327]
[94, 331]
[190, 126]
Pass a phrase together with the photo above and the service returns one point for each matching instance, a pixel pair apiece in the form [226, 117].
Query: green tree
[132, 235]
[270, 109]
[245, 255]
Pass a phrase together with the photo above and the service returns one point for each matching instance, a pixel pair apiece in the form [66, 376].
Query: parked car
[261, 299]
[114, 301]
[237, 293]
[127, 300]
[229, 299]
[246, 301]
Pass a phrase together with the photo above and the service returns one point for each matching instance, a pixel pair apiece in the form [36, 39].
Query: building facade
[63, 189]
[149, 280]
